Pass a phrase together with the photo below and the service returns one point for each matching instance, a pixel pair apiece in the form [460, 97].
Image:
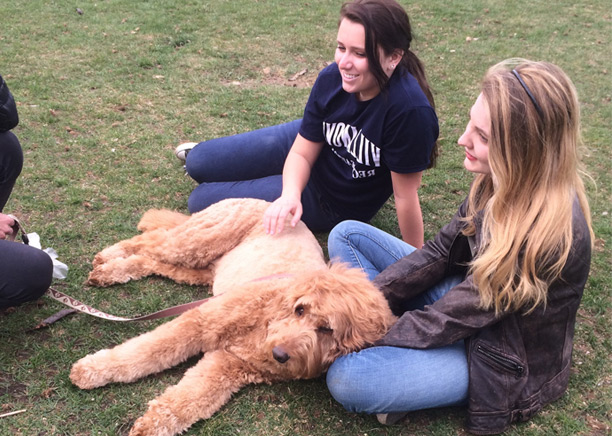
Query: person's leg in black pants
[25, 272]
[11, 162]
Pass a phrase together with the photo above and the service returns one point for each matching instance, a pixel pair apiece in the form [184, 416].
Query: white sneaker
[182, 150]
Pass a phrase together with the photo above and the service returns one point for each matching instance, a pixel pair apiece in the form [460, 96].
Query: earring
[392, 66]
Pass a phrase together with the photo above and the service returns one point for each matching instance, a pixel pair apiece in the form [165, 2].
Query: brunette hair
[387, 27]
[535, 178]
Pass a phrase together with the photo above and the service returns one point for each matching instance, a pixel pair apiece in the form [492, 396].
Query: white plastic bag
[60, 270]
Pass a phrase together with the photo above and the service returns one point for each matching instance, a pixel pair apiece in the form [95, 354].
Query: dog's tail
[161, 219]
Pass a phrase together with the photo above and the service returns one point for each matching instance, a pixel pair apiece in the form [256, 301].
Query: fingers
[274, 218]
[6, 226]
[297, 215]
[5, 232]
[276, 215]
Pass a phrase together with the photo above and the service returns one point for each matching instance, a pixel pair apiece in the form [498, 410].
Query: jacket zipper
[504, 362]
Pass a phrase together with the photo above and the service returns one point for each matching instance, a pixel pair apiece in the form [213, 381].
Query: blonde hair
[527, 200]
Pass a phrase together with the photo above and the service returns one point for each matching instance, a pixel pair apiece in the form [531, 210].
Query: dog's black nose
[280, 354]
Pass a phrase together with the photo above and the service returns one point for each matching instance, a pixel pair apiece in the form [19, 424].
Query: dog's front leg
[204, 389]
[162, 348]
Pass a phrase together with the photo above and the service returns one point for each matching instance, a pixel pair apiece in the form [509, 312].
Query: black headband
[533, 100]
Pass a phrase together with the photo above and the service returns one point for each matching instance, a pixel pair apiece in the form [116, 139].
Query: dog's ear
[354, 334]
[357, 311]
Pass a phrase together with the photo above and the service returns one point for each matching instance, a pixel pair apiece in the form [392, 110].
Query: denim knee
[338, 237]
[341, 386]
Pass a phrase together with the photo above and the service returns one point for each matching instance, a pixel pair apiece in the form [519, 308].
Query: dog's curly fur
[280, 312]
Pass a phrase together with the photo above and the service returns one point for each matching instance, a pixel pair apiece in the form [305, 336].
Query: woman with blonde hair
[486, 309]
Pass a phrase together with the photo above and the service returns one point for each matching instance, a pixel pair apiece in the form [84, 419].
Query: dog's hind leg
[166, 346]
[204, 389]
[156, 224]
[199, 240]
[154, 219]
[206, 235]
[119, 250]
[161, 219]
[122, 270]
[115, 251]
[196, 243]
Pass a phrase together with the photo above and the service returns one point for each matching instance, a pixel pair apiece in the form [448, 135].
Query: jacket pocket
[499, 361]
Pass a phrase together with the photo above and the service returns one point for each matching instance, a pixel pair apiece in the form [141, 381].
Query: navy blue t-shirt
[365, 140]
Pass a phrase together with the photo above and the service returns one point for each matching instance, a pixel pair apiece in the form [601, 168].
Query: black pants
[25, 272]
[11, 162]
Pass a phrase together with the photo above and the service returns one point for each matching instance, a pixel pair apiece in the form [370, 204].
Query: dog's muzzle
[280, 355]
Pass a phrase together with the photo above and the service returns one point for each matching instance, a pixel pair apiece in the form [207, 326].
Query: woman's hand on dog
[277, 212]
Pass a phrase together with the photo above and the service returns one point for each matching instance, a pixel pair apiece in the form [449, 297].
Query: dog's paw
[144, 427]
[99, 278]
[114, 272]
[90, 372]
[98, 260]
[158, 421]
[113, 252]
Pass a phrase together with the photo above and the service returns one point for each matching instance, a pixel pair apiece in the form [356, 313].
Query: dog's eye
[299, 311]
[325, 329]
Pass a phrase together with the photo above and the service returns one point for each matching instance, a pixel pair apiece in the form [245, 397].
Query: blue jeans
[250, 165]
[393, 379]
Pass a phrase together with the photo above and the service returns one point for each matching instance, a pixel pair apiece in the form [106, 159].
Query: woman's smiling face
[353, 63]
[475, 139]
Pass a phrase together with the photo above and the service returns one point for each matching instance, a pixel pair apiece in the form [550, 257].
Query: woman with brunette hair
[369, 130]
[487, 308]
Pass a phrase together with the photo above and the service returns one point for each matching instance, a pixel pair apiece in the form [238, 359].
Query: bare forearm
[296, 173]
[408, 207]
[410, 220]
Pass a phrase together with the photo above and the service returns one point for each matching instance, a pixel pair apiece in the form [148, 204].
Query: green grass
[104, 97]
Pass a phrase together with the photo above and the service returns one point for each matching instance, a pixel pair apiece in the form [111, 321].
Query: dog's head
[327, 313]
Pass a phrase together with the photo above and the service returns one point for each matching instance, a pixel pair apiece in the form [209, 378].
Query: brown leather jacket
[517, 362]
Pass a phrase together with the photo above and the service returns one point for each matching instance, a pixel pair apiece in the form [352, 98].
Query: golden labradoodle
[280, 312]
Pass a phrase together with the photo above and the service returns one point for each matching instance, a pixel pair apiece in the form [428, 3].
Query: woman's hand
[6, 226]
[296, 173]
[277, 213]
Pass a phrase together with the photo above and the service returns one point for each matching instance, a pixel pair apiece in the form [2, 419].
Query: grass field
[104, 97]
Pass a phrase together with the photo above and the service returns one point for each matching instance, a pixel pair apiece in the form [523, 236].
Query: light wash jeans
[393, 379]
[250, 165]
